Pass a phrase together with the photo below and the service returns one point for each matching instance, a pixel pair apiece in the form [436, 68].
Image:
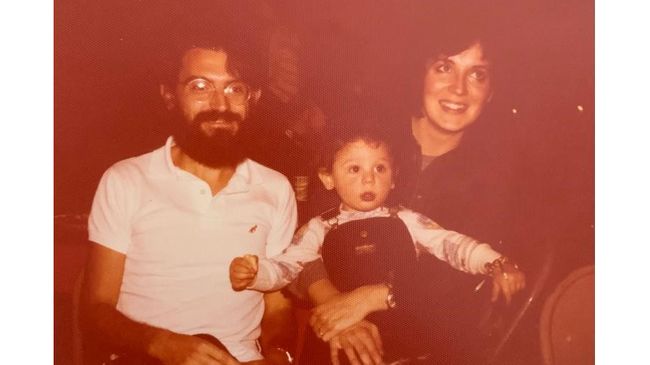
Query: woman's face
[456, 88]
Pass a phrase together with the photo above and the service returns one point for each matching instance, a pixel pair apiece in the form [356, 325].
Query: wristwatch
[285, 353]
[390, 297]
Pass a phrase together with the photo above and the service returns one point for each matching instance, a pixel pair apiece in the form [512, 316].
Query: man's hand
[361, 344]
[243, 271]
[508, 280]
[346, 309]
[176, 349]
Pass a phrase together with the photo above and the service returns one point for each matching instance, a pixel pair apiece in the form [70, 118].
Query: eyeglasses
[236, 92]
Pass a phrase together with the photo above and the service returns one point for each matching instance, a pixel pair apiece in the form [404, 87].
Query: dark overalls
[374, 251]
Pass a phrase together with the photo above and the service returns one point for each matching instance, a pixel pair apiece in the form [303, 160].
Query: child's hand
[508, 280]
[243, 271]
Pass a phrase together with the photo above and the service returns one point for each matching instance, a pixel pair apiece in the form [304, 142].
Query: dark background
[107, 106]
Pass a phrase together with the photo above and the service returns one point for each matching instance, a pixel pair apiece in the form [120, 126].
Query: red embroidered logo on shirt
[253, 229]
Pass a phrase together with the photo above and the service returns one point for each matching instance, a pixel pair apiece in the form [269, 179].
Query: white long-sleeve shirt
[460, 251]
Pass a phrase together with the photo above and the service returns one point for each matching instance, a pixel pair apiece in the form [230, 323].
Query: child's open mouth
[368, 196]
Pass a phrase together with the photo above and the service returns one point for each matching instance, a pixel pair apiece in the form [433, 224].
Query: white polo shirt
[179, 241]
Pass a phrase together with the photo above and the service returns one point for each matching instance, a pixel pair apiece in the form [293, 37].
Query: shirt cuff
[485, 254]
[263, 280]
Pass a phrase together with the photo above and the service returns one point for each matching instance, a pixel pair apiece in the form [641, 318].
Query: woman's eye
[354, 169]
[443, 67]
[480, 75]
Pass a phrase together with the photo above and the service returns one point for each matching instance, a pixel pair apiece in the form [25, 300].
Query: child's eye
[380, 168]
[353, 168]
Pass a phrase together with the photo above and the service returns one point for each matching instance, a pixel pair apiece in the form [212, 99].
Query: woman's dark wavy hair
[449, 30]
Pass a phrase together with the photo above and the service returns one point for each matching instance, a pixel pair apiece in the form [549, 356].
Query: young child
[364, 242]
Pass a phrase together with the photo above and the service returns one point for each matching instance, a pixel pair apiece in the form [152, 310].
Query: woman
[453, 172]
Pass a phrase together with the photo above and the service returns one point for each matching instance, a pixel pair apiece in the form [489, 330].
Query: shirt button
[202, 191]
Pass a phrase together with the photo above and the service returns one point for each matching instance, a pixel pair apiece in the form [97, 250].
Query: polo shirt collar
[243, 177]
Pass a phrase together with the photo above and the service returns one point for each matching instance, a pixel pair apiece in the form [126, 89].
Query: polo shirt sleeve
[109, 220]
[458, 250]
[284, 221]
[273, 274]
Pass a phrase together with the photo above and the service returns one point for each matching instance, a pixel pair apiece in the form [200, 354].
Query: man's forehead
[212, 63]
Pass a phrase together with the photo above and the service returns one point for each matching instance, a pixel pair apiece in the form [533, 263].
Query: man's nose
[218, 100]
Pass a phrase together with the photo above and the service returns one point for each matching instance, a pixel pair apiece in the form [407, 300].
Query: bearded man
[164, 226]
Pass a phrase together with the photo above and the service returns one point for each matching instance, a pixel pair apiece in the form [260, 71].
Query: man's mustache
[210, 115]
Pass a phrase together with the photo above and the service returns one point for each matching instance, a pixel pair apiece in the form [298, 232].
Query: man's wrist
[279, 351]
[157, 341]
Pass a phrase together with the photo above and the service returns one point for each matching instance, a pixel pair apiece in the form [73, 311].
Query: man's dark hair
[220, 28]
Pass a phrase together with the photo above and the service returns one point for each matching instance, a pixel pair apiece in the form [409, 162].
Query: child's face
[362, 176]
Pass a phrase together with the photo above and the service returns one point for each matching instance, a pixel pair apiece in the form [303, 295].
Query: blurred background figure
[289, 123]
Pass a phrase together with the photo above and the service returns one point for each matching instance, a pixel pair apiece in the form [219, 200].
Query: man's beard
[220, 149]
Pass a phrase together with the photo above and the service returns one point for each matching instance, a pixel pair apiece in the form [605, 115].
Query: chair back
[502, 320]
[567, 321]
[77, 342]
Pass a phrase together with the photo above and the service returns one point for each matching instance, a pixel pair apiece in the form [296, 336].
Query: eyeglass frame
[213, 88]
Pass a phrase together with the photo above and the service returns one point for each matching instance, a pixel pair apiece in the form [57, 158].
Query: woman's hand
[346, 309]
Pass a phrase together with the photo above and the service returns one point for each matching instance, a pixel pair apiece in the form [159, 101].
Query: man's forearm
[106, 324]
[278, 323]
[126, 335]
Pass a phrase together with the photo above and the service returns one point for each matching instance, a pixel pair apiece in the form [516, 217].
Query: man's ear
[256, 95]
[326, 178]
[168, 96]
